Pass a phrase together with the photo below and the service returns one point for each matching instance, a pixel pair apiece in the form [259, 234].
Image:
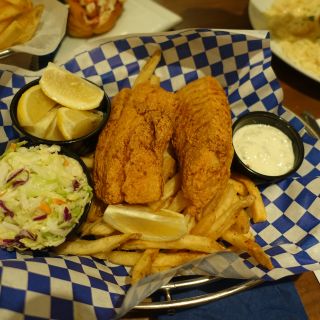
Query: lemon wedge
[53, 133]
[41, 128]
[77, 123]
[163, 225]
[33, 105]
[69, 89]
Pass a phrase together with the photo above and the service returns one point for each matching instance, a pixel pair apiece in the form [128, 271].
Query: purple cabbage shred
[43, 216]
[9, 243]
[22, 180]
[66, 214]
[7, 211]
[75, 184]
[13, 175]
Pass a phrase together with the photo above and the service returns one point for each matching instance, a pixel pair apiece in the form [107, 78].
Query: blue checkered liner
[48, 287]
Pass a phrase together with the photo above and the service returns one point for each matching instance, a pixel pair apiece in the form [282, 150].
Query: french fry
[178, 203]
[241, 242]
[239, 187]
[10, 34]
[4, 24]
[171, 187]
[187, 242]
[209, 217]
[155, 80]
[170, 260]
[257, 210]
[148, 69]
[126, 258]
[242, 224]
[229, 217]
[21, 4]
[98, 228]
[9, 11]
[142, 267]
[90, 247]
[248, 235]
[169, 166]
[96, 210]
[191, 221]
[29, 22]
[155, 269]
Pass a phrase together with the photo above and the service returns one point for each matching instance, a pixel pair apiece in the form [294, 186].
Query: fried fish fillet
[203, 141]
[129, 153]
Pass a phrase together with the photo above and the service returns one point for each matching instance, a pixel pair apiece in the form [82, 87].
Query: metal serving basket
[167, 300]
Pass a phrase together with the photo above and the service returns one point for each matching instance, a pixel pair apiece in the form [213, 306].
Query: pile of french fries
[19, 20]
[224, 227]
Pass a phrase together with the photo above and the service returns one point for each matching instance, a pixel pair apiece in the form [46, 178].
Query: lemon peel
[33, 105]
[69, 89]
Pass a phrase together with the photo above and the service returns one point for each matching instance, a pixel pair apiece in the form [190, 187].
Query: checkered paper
[50, 287]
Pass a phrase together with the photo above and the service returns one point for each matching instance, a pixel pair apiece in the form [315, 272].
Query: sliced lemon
[53, 132]
[33, 105]
[41, 128]
[77, 123]
[70, 90]
[163, 225]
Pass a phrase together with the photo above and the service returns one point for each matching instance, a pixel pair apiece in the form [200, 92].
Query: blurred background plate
[50, 30]
[139, 16]
[258, 19]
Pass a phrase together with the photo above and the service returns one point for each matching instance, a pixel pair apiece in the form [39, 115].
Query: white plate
[257, 10]
[139, 16]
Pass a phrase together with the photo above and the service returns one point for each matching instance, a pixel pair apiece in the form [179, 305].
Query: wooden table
[300, 93]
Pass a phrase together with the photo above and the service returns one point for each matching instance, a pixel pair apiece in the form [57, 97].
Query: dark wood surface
[300, 92]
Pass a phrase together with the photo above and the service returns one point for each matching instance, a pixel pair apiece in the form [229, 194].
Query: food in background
[60, 112]
[295, 25]
[19, 20]
[43, 195]
[92, 17]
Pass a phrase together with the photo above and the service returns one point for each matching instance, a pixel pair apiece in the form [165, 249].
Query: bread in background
[88, 18]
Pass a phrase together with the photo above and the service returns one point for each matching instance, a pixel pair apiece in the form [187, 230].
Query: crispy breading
[129, 154]
[203, 141]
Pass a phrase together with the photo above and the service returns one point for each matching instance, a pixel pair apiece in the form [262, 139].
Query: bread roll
[92, 17]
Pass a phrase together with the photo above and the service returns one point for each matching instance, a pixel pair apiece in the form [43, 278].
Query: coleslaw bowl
[46, 193]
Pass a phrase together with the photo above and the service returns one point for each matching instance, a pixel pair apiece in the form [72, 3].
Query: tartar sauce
[264, 149]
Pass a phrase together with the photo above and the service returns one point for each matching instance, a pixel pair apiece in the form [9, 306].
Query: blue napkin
[269, 301]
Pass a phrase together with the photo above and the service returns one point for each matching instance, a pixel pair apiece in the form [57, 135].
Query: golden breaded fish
[203, 141]
[129, 154]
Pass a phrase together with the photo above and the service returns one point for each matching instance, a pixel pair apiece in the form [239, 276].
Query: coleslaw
[43, 194]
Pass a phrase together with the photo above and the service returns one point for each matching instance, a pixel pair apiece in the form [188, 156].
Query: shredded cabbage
[42, 196]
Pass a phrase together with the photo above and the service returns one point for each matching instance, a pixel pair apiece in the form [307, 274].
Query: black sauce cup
[267, 118]
[80, 146]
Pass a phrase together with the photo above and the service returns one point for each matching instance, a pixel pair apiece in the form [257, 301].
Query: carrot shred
[58, 201]
[45, 207]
